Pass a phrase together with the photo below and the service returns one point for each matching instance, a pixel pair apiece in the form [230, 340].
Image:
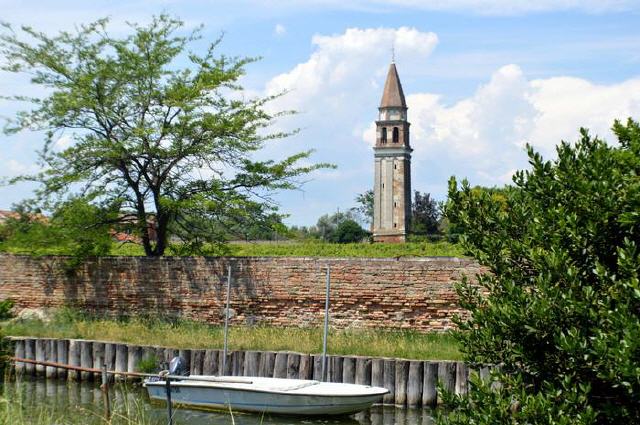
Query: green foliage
[76, 228]
[560, 311]
[365, 203]
[321, 249]
[327, 225]
[156, 128]
[348, 231]
[5, 309]
[148, 364]
[425, 214]
[514, 402]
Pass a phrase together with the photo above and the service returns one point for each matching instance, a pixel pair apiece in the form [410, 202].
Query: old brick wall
[365, 292]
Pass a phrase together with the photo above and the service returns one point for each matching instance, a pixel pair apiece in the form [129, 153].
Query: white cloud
[340, 82]
[280, 30]
[336, 92]
[564, 104]
[482, 136]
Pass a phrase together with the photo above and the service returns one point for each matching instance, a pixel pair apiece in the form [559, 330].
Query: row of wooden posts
[411, 383]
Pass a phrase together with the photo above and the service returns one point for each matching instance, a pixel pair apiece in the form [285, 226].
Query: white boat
[268, 395]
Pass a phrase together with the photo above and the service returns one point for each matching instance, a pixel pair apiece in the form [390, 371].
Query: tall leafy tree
[560, 310]
[365, 203]
[425, 214]
[157, 129]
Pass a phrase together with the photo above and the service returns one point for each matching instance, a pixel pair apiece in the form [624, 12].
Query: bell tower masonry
[392, 153]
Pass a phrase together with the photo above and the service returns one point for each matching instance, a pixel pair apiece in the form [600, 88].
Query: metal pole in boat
[169, 407]
[326, 326]
[226, 321]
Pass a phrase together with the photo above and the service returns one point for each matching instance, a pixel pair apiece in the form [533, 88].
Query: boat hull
[263, 401]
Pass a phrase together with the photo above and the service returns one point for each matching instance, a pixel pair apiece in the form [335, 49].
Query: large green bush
[560, 311]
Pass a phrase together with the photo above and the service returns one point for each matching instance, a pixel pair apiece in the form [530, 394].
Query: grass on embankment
[188, 334]
[323, 249]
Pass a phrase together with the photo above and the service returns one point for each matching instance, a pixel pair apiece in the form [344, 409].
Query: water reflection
[85, 402]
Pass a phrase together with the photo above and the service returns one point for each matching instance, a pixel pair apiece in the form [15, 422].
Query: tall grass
[17, 408]
[323, 249]
[190, 334]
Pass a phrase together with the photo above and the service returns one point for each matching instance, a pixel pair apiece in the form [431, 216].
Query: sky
[482, 79]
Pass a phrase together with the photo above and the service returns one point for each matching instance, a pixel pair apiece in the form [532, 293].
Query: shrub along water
[560, 311]
[188, 334]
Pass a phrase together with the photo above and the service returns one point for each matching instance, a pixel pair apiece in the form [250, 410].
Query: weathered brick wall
[365, 292]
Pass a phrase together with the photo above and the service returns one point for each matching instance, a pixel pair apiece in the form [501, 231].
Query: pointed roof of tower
[393, 96]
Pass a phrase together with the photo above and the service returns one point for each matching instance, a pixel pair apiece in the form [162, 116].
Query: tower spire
[392, 95]
[392, 164]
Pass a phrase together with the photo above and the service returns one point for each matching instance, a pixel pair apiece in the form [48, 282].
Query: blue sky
[482, 78]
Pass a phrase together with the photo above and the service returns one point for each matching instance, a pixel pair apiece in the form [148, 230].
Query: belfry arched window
[396, 134]
[384, 135]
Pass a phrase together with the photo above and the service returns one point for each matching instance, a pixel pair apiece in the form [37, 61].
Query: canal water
[84, 403]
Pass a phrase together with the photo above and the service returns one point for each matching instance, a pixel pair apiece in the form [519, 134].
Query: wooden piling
[74, 359]
[389, 381]
[210, 362]
[51, 355]
[169, 354]
[251, 363]
[19, 353]
[151, 353]
[158, 352]
[335, 369]
[485, 374]
[280, 365]
[447, 375]
[377, 373]
[224, 366]
[429, 384]
[30, 354]
[317, 367]
[62, 356]
[86, 359]
[186, 355]
[306, 367]
[293, 365]
[122, 358]
[363, 371]
[237, 363]
[402, 374]
[41, 345]
[414, 384]
[134, 355]
[267, 364]
[462, 377]
[98, 359]
[348, 370]
[109, 359]
[197, 360]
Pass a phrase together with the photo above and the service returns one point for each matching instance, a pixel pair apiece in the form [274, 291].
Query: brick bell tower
[392, 153]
